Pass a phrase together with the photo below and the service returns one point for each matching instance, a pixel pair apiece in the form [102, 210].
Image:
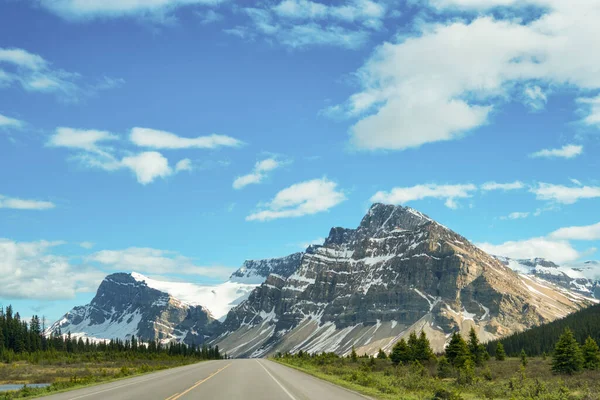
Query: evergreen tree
[500, 354]
[524, 360]
[423, 349]
[400, 353]
[457, 350]
[591, 354]
[475, 349]
[413, 345]
[381, 355]
[567, 356]
[353, 355]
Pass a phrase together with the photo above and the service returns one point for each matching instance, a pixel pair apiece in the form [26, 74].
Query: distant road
[228, 379]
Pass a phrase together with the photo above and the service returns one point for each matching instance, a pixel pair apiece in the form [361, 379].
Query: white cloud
[565, 194]
[83, 139]
[29, 271]
[145, 137]
[488, 186]
[183, 165]
[304, 198]
[78, 10]
[516, 215]
[460, 70]
[535, 97]
[148, 166]
[23, 204]
[589, 232]
[209, 17]
[402, 195]
[591, 106]
[258, 174]
[366, 12]
[303, 23]
[567, 151]
[559, 251]
[156, 261]
[7, 122]
[86, 245]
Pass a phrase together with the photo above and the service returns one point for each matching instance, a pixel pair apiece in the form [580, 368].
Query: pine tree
[591, 354]
[381, 355]
[400, 353]
[353, 355]
[423, 349]
[413, 345]
[567, 356]
[500, 353]
[524, 360]
[457, 350]
[474, 347]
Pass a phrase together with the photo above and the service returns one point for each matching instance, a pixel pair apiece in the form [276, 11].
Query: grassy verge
[72, 374]
[495, 380]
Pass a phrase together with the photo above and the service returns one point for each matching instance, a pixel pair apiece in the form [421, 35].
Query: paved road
[227, 379]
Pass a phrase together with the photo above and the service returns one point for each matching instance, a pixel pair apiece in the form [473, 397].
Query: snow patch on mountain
[218, 299]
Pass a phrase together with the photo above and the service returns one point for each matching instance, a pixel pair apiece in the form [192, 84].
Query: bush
[445, 394]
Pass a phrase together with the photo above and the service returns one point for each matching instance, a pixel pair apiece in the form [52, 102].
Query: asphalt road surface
[228, 379]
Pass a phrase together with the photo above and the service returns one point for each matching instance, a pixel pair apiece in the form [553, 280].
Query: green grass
[496, 380]
[68, 373]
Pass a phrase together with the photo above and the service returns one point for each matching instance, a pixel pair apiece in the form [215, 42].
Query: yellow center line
[200, 382]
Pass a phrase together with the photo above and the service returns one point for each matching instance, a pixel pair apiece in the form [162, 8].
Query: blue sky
[181, 137]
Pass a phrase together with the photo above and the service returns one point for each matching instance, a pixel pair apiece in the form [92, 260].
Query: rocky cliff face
[126, 306]
[580, 278]
[398, 271]
[256, 271]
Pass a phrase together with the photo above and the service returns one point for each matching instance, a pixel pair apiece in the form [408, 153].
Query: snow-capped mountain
[256, 271]
[581, 277]
[398, 271]
[126, 305]
[133, 304]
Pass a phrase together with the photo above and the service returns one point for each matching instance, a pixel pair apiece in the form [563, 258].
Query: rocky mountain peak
[387, 217]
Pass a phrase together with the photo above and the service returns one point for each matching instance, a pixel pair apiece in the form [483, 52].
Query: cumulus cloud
[83, 139]
[588, 232]
[567, 151]
[564, 194]
[8, 122]
[24, 204]
[183, 165]
[156, 261]
[449, 193]
[461, 70]
[488, 186]
[148, 166]
[78, 10]
[146, 137]
[304, 198]
[258, 174]
[559, 251]
[92, 151]
[29, 270]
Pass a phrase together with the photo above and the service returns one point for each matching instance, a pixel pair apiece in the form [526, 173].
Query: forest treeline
[19, 337]
[542, 339]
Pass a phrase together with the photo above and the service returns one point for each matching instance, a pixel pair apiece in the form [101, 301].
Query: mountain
[256, 271]
[126, 305]
[580, 278]
[542, 339]
[398, 271]
[133, 304]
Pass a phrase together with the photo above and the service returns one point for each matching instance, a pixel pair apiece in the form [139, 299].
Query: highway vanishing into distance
[252, 379]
